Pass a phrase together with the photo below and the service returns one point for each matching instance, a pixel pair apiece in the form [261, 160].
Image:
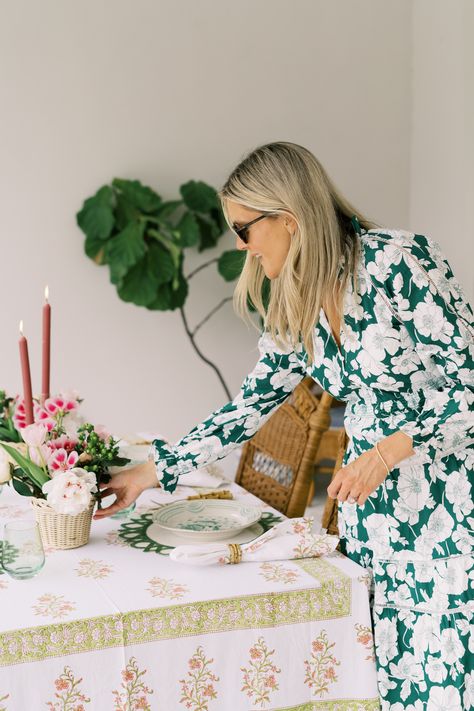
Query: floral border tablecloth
[109, 626]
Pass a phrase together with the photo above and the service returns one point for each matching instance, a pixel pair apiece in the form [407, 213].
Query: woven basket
[62, 530]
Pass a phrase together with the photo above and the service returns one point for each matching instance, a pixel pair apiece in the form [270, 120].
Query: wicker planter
[62, 530]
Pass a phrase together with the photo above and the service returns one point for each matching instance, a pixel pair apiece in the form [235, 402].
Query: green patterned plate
[206, 520]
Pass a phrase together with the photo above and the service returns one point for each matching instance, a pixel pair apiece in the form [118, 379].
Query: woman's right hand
[127, 487]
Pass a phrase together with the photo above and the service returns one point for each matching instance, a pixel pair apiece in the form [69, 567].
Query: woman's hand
[127, 487]
[365, 474]
[359, 479]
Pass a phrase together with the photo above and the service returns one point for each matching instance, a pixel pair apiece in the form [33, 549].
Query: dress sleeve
[277, 373]
[422, 293]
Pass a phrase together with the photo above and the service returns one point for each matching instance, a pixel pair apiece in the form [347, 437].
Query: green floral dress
[405, 363]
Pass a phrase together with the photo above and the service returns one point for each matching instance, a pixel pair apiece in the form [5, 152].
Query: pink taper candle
[25, 372]
[46, 347]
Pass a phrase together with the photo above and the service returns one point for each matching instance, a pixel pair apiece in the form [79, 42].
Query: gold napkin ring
[224, 494]
[235, 553]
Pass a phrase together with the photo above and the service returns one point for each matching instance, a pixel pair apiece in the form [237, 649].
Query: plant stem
[201, 355]
[201, 266]
[211, 313]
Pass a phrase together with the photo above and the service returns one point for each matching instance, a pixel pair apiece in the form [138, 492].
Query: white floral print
[406, 362]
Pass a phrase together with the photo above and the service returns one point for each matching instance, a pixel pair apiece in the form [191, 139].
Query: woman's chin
[271, 273]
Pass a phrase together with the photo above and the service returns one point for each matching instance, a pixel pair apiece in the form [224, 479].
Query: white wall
[442, 137]
[166, 91]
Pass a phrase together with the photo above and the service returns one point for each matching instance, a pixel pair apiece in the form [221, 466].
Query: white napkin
[209, 477]
[287, 540]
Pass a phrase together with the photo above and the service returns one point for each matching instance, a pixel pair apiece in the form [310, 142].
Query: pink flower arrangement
[65, 460]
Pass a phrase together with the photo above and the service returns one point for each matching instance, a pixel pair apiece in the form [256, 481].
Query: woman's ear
[290, 224]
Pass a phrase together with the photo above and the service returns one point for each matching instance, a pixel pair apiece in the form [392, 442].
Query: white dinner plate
[206, 520]
[168, 538]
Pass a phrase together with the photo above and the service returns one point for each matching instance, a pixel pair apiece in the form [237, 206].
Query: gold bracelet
[382, 459]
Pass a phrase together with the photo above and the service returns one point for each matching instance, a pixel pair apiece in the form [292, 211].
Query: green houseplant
[142, 239]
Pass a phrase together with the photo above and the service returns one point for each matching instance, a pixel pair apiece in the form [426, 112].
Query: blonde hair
[286, 178]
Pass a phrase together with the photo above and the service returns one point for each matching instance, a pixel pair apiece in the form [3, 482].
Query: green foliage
[23, 485]
[142, 239]
[101, 453]
[230, 264]
[8, 432]
[33, 472]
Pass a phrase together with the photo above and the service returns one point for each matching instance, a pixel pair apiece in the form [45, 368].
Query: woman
[377, 319]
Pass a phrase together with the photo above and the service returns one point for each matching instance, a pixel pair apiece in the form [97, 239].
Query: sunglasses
[242, 232]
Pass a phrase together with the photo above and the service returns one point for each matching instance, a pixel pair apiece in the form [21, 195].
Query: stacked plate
[206, 520]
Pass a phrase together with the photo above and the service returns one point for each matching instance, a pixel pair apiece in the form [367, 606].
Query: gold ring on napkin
[223, 494]
[235, 553]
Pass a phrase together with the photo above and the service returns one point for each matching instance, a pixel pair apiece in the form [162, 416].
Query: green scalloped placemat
[135, 532]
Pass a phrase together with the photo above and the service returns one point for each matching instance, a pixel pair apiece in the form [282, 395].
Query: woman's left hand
[356, 481]
[364, 475]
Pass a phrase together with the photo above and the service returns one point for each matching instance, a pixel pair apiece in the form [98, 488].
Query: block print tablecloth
[117, 625]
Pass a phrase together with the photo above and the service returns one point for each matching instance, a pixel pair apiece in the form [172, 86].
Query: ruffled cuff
[433, 438]
[167, 464]
[420, 441]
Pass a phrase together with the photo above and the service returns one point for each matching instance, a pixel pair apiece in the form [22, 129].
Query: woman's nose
[240, 245]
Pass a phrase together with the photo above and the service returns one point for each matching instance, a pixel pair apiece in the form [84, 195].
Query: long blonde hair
[286, 178]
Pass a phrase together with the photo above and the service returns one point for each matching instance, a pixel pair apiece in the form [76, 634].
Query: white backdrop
[170, 90]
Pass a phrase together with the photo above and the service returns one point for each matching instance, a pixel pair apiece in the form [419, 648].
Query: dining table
[116, 624]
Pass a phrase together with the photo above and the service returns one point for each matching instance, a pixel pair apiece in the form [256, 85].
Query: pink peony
[70, 492]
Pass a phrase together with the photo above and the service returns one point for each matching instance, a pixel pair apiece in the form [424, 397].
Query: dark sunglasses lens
[241, 234]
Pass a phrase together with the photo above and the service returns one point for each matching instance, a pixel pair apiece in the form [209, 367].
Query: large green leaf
[162, 300]
[140, 284]
[4, 434]
[96, 218]
[209, 232]
[94, 248]
[125, 212]
[124, 250]
[35, 473]
[189, 230]
[167, 298]
[230, 264]
[22, 488]
[8, 433]
[169, 244]
[166, 209]
[161, 263]
[199, 196]
[140, 196]
[118, 462]
[218, 216]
